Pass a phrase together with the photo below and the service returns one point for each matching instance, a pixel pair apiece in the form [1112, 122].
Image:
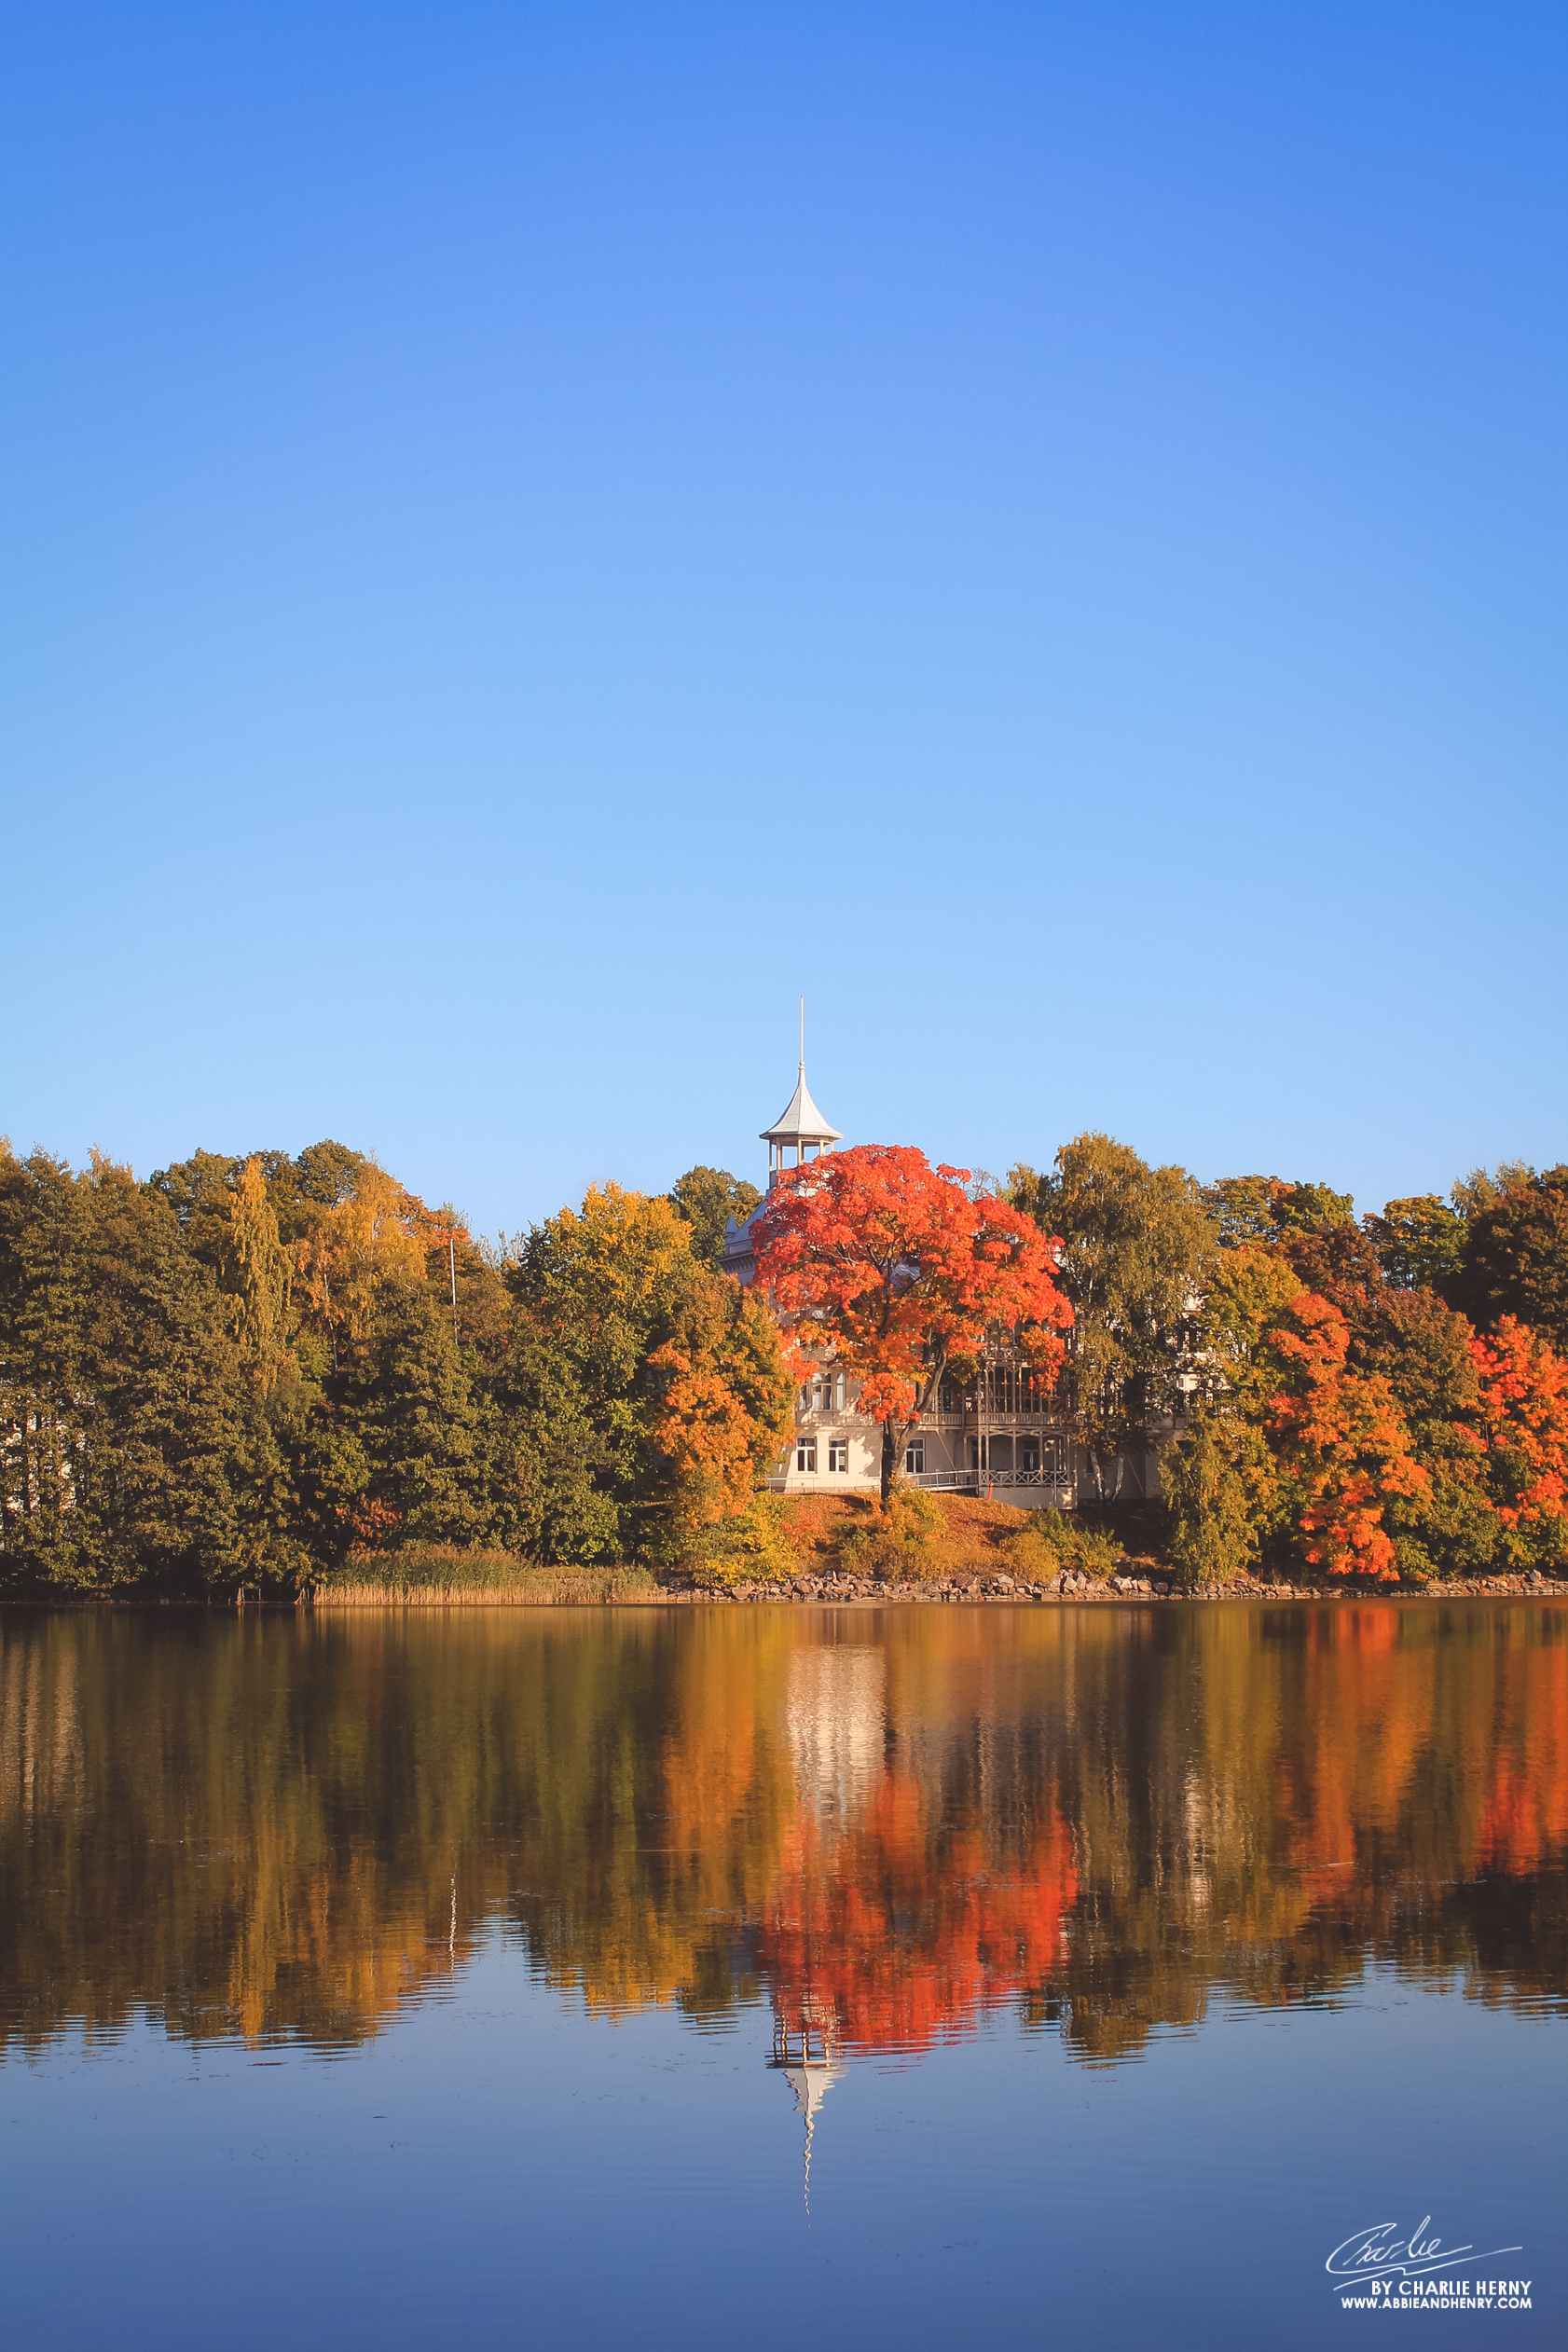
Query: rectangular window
[805, 1454]
[838, 1457]
[915, 1457]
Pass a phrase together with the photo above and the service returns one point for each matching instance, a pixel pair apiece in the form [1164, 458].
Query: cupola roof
[801, 1122]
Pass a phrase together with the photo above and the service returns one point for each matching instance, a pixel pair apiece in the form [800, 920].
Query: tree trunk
[895, 1434]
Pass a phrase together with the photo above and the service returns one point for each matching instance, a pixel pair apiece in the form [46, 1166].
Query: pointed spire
[800, 1121]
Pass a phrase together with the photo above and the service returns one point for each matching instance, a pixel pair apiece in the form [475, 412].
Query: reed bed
[443, 1577]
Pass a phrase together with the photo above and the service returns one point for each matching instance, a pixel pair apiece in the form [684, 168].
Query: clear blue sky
[534, 535]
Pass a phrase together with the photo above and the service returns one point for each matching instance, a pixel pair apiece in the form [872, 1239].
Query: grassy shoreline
[513, 1587]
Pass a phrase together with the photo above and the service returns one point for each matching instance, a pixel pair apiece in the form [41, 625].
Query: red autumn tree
[895, 1267]
[1521, 1430]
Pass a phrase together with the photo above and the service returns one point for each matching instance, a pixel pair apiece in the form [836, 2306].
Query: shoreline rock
[836, 1589]
[818, 1591]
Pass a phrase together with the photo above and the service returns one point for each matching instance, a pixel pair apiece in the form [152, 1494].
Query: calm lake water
[440, 1978]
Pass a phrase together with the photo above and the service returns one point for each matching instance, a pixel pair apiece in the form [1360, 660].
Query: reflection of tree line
[1102, 1817]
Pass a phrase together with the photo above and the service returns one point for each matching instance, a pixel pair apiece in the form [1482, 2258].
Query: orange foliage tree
[1343, 1443]
[1522, 1432]
[896, 1269]
[723, 1411]
[1292, 1450]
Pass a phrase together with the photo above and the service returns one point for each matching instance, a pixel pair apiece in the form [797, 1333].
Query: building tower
[796, 1136]
[801, 1129]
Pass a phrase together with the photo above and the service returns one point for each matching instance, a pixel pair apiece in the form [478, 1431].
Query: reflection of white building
[992, 1431]
[835, 1715]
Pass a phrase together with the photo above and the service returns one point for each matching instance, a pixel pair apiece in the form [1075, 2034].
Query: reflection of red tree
[891, 1942]
[1370, 1710]
[1525, 1822]
[1375, 1706]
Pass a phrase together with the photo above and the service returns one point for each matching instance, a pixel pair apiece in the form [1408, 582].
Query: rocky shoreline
[1132, 1585]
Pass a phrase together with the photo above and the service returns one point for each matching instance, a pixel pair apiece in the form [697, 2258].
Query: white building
[995, 1432]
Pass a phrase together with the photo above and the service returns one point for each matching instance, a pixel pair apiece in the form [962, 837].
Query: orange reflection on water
[897, 1937]
[1525, 1821]
[884, 1824]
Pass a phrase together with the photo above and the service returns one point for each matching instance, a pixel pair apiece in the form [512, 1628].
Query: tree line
[1385, 1396]
[246, 1369]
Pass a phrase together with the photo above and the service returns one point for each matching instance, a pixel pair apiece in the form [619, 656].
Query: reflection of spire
[808, 2077]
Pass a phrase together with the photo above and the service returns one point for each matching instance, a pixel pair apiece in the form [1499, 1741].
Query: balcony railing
[967, 1418]
[970, 1482]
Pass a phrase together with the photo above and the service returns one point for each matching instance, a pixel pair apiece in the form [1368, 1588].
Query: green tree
[1482, 1187]
[126, 1416]
[409, 1405]
[169, 1429]
[1260, 1209]
[45, 1286]
[199, 1190]
[1219, 1477]
[1222, 1488]
[550, 1478]
[327, 1173]
[707, 1199]
[1514, 1255]
[1138, 1246]
[1418, 1242]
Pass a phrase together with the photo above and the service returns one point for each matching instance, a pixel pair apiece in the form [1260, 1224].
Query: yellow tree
[257, 1274]
[374, 1235]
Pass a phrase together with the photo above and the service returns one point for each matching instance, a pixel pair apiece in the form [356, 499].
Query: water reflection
[806, 2059]
[881, 1826]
